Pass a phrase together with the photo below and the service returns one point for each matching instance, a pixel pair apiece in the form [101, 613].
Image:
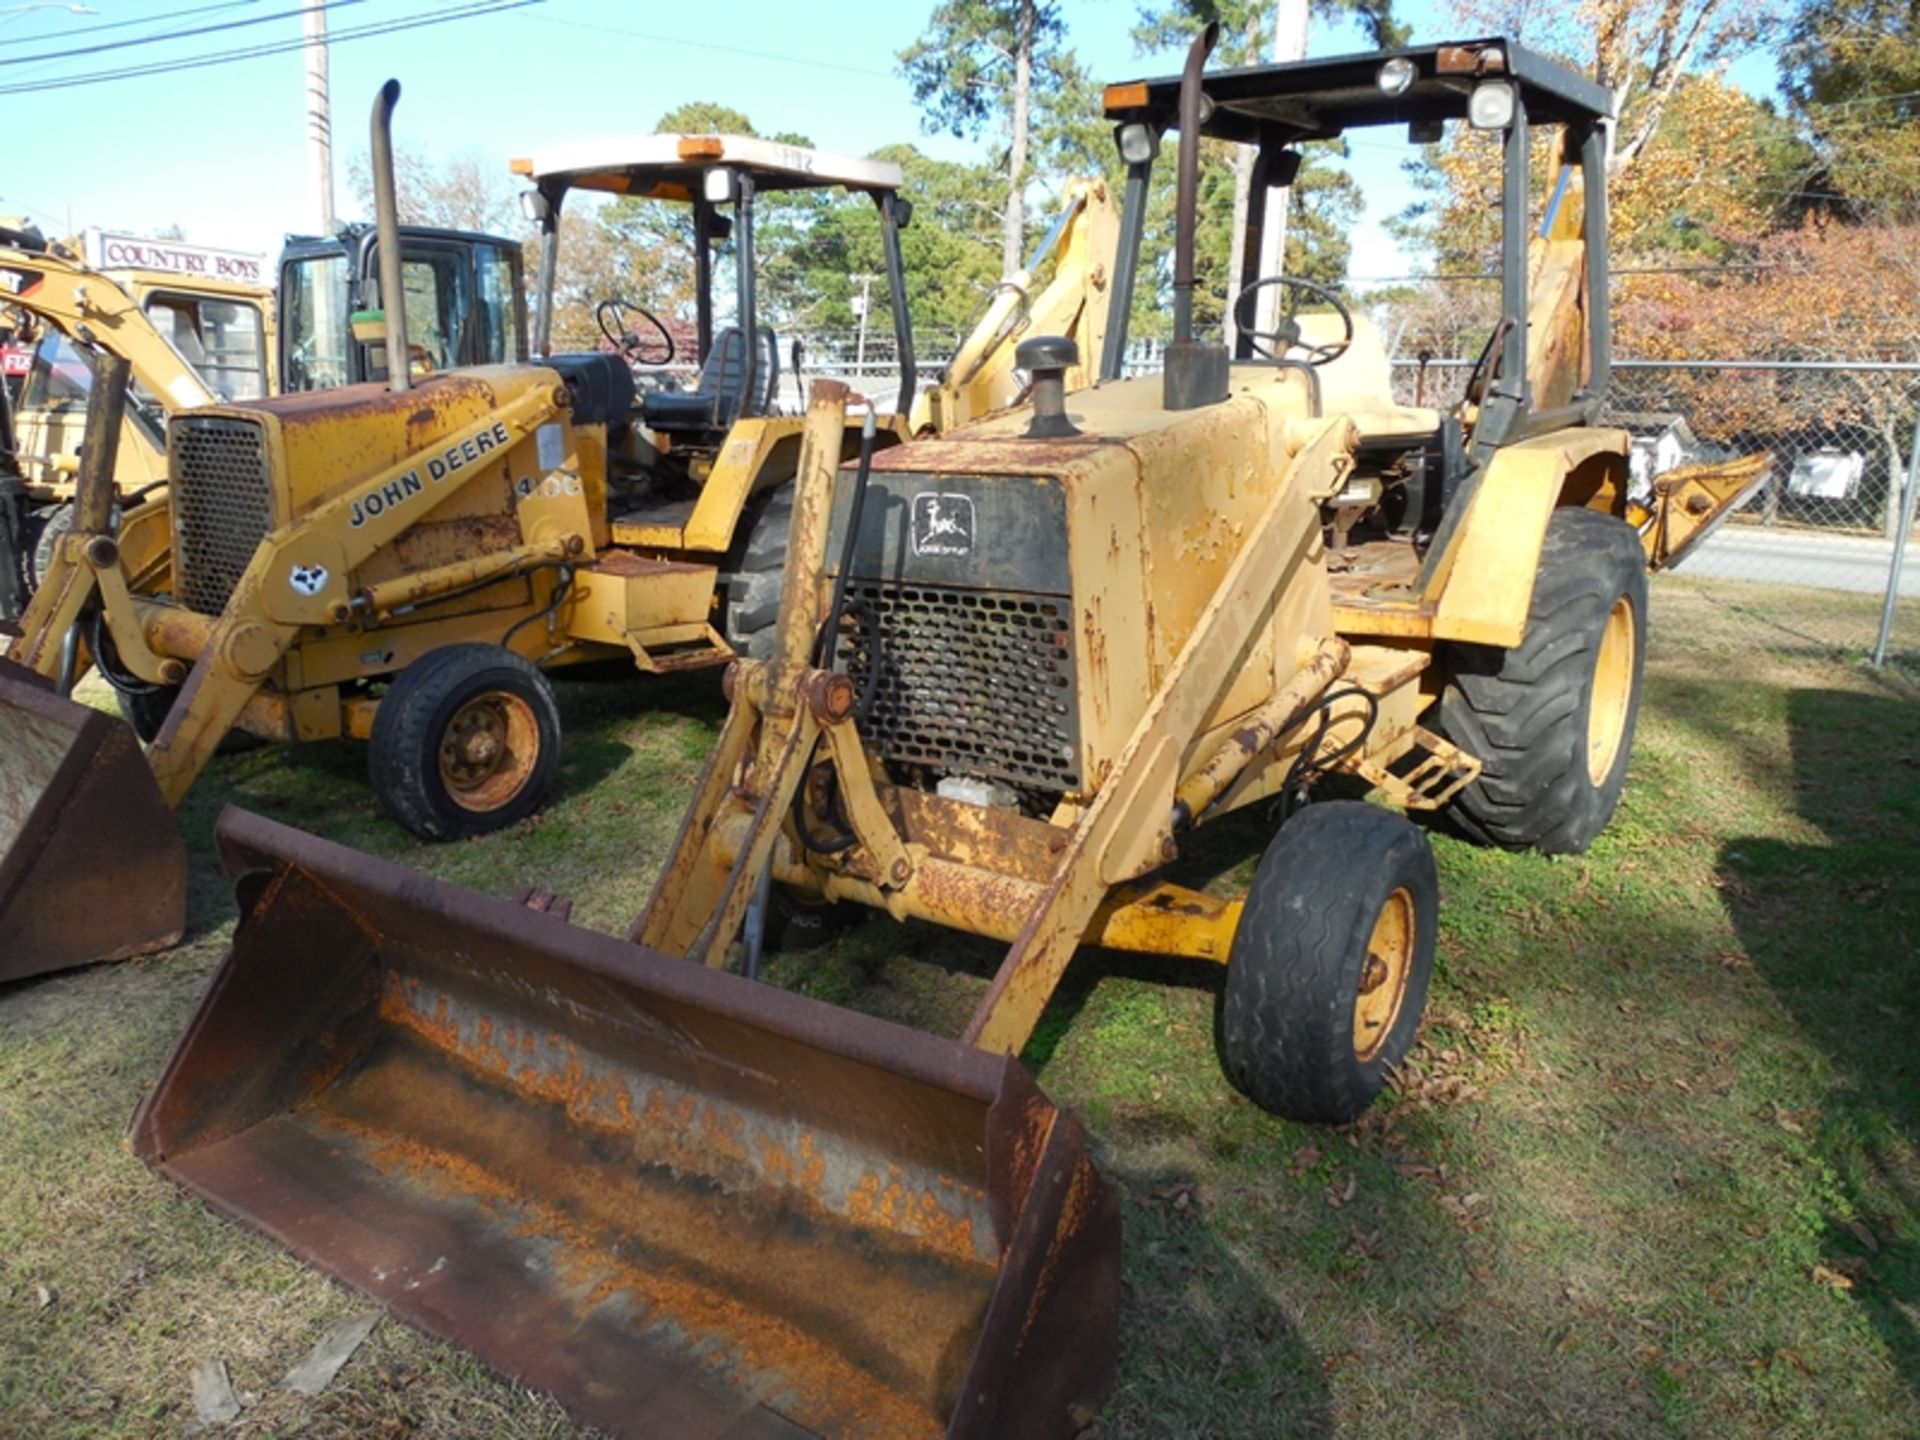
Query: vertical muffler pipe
[1196, 373]
[386, 219]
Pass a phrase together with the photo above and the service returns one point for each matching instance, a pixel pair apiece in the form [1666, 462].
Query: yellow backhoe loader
[402, 564]
[1057, 640]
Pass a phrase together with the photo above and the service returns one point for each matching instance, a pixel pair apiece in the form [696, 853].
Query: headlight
[717, 185]
[1490, 107]
[1138, 143]
[1396, 75]
[534, 206]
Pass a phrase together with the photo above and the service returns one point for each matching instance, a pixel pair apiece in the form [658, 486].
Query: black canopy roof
[1317, 99]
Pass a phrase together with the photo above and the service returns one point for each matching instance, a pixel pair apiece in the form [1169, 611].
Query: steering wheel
[1274, 344]
[611, 316]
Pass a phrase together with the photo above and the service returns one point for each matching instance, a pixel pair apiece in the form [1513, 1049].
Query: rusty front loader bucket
[92, 866]
[686, 1204]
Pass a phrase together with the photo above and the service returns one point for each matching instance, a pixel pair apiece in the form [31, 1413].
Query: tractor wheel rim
[488, 751]
[1612, 692]
[1383, 974]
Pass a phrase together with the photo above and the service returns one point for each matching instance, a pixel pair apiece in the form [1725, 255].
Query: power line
[171, 35]
[122, 24]
[709, 45]
[472, 10]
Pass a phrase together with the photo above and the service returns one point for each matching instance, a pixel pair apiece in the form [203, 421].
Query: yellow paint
[1485, 581]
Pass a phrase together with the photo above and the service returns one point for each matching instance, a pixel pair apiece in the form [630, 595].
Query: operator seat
[1359, 384]
[716, 401]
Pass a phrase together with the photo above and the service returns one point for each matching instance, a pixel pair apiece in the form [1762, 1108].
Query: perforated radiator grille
[222, 505]
[975, 682]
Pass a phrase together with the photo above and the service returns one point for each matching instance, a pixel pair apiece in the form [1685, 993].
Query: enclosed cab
[466, 304]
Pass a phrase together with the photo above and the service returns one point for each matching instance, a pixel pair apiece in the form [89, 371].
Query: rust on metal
[983, 836]
[92, 866]
[829, 694]
[687, 1205]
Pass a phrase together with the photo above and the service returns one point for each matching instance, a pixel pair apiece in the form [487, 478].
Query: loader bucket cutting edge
[92, 865]
[686, 1204]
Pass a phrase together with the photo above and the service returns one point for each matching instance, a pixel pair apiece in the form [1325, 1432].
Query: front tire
[1329, 970]
[1552, 719]
[466, 742]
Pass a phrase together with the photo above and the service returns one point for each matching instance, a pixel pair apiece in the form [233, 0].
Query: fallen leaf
[1307, 1156]
[1834, 1278]
[43, 1296]
[1627, 1007]
[1862, 1232]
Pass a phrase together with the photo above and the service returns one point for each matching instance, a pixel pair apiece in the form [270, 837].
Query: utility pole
[319, 115]
[860, 308]
[1289, 43]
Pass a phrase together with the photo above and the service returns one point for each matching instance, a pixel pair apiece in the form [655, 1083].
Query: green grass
[1653, 1171]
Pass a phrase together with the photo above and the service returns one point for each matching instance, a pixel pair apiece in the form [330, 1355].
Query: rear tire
[755, 573]
[466, 742]
[1552, 718]
[1330, 966]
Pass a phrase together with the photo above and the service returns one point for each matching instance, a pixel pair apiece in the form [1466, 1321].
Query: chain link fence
[1811, 564]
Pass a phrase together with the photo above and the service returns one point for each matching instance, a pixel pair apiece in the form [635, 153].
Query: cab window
[439, 309]
[313, 327]
[500, 297]
[58, 377]
[223, 340]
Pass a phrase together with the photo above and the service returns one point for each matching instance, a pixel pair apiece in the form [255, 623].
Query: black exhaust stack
[1196, 373]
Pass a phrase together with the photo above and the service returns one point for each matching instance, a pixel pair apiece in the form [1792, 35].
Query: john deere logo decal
[942, 524]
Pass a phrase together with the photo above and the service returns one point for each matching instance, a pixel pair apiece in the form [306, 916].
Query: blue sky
[220, 150]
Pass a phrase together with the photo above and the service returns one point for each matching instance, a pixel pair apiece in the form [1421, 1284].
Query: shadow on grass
[1833, 928]
[1205, 1348]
